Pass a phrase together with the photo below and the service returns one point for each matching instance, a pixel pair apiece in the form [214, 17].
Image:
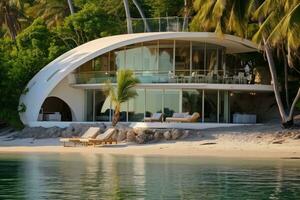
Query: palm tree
[11, 13]
[279, 28]
[52, 11]
[123, 91]
[226, 16]
[279, 23]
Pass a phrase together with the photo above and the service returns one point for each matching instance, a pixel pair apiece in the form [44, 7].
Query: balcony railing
[160, 77]
[161, 24]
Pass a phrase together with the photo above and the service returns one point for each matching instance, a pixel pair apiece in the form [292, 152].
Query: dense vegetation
[34, 32]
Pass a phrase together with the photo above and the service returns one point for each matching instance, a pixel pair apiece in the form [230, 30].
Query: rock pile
[123, 133]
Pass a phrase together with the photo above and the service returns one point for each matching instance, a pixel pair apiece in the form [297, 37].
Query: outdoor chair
[155, 117]
[184, 118]
[92, 132]
[105, 138]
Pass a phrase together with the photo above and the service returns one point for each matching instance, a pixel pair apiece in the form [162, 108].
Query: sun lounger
[105, 138]
[156, 117]
[92, 132]
[185, 118]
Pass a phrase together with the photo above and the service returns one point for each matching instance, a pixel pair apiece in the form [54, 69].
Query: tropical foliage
[274, 24]
[122, 92]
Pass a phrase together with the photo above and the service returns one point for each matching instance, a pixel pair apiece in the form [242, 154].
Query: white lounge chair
[92, 132]
[105, 138]
[156, 117]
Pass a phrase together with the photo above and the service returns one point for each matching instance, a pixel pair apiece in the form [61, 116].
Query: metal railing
[154, 76]
[161, 24]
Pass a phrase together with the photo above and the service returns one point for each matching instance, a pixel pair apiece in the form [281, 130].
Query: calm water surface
[81, 176]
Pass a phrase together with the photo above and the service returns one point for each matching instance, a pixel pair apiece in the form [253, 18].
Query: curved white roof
[46, 79]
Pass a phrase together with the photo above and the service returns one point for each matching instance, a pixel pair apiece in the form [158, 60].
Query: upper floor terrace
[174, 61]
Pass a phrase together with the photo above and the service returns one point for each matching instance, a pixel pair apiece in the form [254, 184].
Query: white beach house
[179, 72]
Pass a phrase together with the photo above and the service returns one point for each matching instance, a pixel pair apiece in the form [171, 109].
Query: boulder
[141, 138]
[185, 134]
[122, 135]
[115, 134]
[130, 136]
[158, 136]
[167, 135]
[176, 134]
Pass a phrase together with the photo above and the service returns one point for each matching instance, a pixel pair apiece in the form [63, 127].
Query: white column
[218, 107]
[203, 106]
[180, 100]
[94, 104]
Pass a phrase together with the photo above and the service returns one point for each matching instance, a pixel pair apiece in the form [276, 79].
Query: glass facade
[212, 105]
[159, 61]
[166, 61]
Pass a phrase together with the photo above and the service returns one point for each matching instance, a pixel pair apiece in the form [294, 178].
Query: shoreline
[180, 148]
[257, 141]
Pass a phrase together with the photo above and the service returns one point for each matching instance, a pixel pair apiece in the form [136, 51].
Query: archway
[55, 109]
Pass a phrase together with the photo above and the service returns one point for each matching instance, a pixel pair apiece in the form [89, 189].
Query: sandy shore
[257, 141]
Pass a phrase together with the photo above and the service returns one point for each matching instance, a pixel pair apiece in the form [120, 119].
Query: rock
[185, 134]
[176, 134]
[130, 136]
[158, 136]
[122, 135]
[297, 136]
[115, 134]
[144, 136]
[141, 138]
[167, 135]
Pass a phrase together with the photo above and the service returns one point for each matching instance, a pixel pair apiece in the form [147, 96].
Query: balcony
[99, 77]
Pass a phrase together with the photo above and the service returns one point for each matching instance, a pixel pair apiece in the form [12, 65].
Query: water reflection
[92, 176]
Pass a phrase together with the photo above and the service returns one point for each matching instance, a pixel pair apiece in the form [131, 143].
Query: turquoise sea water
[92, 176]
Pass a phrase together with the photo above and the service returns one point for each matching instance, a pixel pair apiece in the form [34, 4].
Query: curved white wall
[75, 98]
[42, 84]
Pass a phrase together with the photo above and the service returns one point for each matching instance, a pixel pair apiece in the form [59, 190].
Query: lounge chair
[92, 132]
[105, 138]
[156, 117]
[184, 118]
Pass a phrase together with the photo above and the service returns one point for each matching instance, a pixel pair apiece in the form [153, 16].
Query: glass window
[136, 107]
[134, 57]
[119, 57]
[198, 58]
[153, 101]
[89, 105]
[101, 63]
[171, 102]
[150, 56]
[223, 106]
[192, 101]
[211, 59]
[166, 56]
[210, 105]
[102, 106]
[182, 58]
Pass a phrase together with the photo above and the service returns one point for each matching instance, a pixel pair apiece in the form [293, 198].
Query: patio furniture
[156, 117]
[92, 132]
[184, 117]
[106, 137]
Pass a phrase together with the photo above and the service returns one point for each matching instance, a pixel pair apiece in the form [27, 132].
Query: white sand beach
[256, 141]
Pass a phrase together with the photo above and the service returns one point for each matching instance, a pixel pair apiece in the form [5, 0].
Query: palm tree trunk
[272, 69]
[70, 3]
[291, 114]
[137, 5]
[116, 116]
[285, 77]
[128, 17]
